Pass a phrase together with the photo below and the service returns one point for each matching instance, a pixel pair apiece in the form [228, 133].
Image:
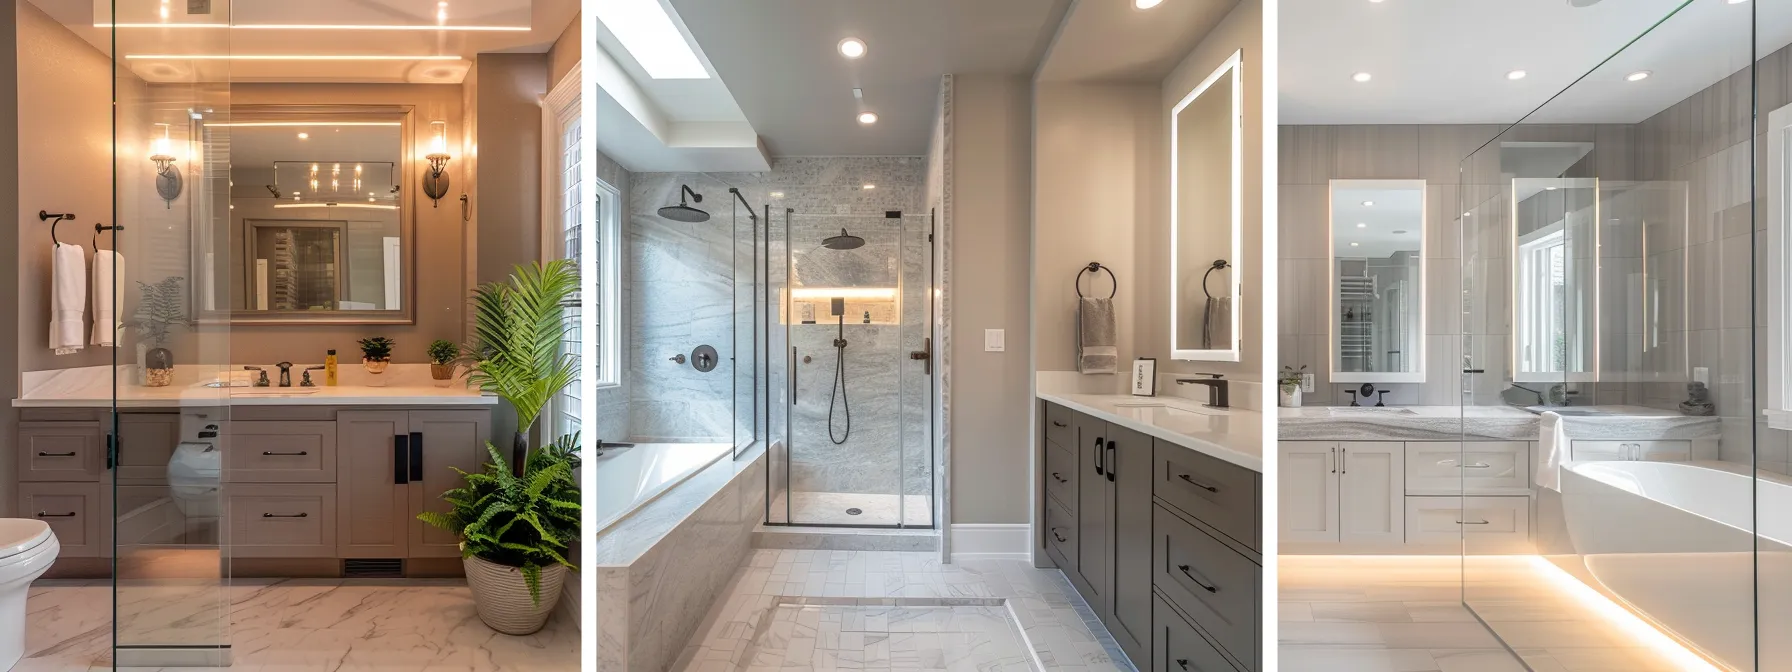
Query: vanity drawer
[267, 451]
[1181, 648]
[1060, 475]
[1060, 535]
[1484, 524]
[72, 510]
[1060, 425]
[1658, 451]
[283, 521]
[1473, 467]
[1216, 586]
[61, 451]
[1223, 495]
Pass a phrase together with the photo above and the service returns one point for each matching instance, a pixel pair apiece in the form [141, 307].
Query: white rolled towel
[68, 298]
[108, 294]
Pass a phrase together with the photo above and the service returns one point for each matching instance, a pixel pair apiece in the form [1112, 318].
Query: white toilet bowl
[27, 548]
[194, 476]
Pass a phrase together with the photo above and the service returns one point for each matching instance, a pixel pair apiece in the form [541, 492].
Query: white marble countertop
[93, 388]
[1497, 423]
[1234, 435]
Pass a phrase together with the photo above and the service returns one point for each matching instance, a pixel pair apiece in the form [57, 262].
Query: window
[1543, 294]
[570, 200]
[1778, 187]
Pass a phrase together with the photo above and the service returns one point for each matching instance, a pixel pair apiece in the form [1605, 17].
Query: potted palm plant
[517, 515]
[441, 361]
[376, 355]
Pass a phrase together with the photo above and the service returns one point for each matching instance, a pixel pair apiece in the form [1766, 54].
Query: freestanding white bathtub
[1677, 542]
[628, 478]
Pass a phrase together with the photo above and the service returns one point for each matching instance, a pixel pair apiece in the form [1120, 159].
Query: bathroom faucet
[285, 374]
[263, 380]
[1217, 385]
[306, 380]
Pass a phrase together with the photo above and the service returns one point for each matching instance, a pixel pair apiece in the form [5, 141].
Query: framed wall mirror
[1205, 213]
[320, 218]
[1377, 281]
[1555, 265]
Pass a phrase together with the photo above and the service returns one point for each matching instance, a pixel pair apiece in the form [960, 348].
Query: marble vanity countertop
[1634, 423]
[1485, 423]
[1234, 435]
[93, 388]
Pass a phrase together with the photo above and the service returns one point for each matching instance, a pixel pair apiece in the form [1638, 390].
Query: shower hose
[837, 393]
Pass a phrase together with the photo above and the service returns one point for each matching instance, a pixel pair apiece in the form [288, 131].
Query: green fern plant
[159, 310]
[518, 329]
[523, 521]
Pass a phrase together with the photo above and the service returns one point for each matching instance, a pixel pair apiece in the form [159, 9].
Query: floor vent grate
[373, 568]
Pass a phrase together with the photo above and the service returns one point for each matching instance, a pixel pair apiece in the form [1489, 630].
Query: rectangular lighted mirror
[1205, 181]
[1555, 287]
[1377, 281]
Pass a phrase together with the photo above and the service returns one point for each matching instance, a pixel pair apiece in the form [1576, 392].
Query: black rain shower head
[683, 212]
[844, 241]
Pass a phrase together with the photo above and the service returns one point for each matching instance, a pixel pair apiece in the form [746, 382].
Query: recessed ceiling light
[1368, 204]
[1361, 225]
[1146, 4]
[1638, 76]
[647, 32]
[1515, 75]
[869, 186]
[852, 47]
[867, 118]
[304, 136]
[777, 194]
[1353, 244]
[1360, 77]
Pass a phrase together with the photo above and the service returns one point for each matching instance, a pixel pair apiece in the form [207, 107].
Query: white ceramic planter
[502, 597]
[1290, 396]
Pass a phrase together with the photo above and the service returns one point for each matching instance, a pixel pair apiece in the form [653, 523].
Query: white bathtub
[628, 478]
[1676, 541]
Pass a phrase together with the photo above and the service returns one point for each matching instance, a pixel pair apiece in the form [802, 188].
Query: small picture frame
[1144, 377]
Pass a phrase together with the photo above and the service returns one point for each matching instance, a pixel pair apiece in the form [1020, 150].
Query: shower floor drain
[854, 511]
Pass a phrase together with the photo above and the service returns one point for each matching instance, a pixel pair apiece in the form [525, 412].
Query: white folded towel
[108, 293]
[68, 298]
[1553, 451]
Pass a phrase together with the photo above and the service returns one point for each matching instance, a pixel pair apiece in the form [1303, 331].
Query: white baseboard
[1005, 541]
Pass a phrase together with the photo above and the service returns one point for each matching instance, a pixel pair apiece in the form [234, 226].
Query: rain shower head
[844, 241]
[683, 212]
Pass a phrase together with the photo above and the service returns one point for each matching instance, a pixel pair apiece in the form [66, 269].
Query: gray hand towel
[1097, 339]
[1216, 325]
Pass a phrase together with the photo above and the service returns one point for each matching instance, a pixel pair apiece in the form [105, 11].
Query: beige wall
[988, 286]
[507, 137]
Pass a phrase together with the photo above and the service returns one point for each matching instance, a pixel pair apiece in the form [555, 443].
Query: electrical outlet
[1306, 383]
[1701, 374]
[995, 340]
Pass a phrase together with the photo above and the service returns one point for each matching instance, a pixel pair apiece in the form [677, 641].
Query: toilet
[196, 470]
[27, 548]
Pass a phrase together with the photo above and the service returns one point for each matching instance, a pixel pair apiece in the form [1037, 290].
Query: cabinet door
[1094, 513]
[1307, 491]
[376, 518]
[1131, 462]
[146, 443]
[1372, 492]
[448, 439]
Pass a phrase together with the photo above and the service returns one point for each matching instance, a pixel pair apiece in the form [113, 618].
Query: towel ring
[1091, 268]
[43, 215]
[1217, 265]
[99, 228]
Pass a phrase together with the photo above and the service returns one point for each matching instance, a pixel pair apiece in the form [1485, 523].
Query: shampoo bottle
[330, 369]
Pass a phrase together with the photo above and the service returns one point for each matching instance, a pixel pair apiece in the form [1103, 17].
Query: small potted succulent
[376, 355]
[157, 313]
[1288, 384]
[442, 354]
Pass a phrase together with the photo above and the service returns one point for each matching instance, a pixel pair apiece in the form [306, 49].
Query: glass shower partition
[169, 530]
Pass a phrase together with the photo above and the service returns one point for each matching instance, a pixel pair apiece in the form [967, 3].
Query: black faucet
[1381, 398]
[306, 381]
[285, 374]
[1217, 386]
[263, 380]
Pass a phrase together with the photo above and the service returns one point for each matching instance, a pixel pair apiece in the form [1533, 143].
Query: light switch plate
[1701, 374]
[1306, 383]
[995, 340]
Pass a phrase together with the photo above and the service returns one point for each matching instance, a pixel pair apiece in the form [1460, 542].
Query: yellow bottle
[330, 369]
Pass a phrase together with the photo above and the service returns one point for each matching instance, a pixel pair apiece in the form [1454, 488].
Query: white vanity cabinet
[1342, 492]
[1654, 451]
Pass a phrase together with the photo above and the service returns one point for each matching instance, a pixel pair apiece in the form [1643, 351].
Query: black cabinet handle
[1060, 478]
[401, 457]
[1334, 459]
[284, 454]
[1113, 459]
[285, 515]
[46, 514]
[1471, 522]
[44, 454]
[1057, 424]
[112, 444]
[1100, 458]
[1198, 484]
[416, 456]
[1186, 571]
[1343, 460]
[1057, 536]
[1474, 371]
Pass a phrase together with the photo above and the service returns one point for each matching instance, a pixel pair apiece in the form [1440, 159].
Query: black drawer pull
[1471, 522]
[1113, 459]
[286, 515]
[46, 514]
[1059, 537]
[1100, 458]
[1191, 576]
[270, 452]
[1182, 662]
[44, 454]
[1198, 484]
[1060, 425]
[1060, 478]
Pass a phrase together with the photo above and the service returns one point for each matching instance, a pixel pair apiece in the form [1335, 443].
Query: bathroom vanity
[1153, 510]
[313, 481]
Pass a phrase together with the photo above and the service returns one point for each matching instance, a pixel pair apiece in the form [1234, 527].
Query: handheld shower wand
[837, 393]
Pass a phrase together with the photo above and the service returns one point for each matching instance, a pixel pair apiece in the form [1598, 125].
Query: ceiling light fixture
[1146, 4]
[852, 47]
[283, 57]
[304, 136]
[869, 186]
[1353, 244]
[1638, 76]
[1361, 225]
[647, 32]
[1360, 77]
[1515, 75]
[867, 118]
[1368, 204]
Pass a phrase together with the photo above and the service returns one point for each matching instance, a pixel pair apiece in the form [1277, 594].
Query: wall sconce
[435, 180]
[168, 181]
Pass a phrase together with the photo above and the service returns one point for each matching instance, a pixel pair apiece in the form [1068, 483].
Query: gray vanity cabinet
[1129, 463]
[1094, 514]
[450, 440]
[394, 465]
[146, 442]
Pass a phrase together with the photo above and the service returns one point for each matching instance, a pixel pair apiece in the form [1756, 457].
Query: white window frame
[1779, 283]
